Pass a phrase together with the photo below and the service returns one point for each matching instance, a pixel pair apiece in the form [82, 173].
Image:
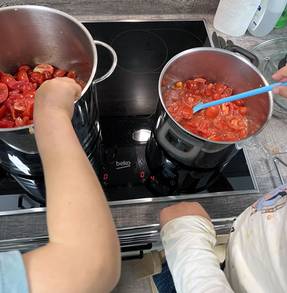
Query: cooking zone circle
[145, 46]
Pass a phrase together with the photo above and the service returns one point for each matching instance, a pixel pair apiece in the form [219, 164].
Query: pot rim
[85, 31]
[241, 58]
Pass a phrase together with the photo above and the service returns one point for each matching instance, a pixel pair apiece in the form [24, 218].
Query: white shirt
[256, 254]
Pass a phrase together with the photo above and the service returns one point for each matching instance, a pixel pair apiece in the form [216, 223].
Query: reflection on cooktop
[143, 48]
[126, 175]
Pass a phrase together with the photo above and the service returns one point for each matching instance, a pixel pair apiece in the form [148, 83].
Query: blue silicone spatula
[258, 91]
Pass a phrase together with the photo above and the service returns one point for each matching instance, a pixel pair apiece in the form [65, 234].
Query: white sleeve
[189, 247]
[256, 258]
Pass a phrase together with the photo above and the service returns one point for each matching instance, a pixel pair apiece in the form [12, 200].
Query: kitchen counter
[26, 230]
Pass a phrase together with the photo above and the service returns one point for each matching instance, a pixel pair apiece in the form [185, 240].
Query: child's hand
[281, 75]
[180, 210]
[56, 96]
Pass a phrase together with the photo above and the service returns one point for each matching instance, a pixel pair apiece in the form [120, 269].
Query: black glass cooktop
[125, 174]
[127, 103]
[143, 48]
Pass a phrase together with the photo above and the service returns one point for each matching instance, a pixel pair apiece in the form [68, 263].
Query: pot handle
[250, 56]
[183, 155]
[114, 64]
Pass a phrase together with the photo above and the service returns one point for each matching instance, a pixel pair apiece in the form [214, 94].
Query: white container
[233, 17]
[266, 16]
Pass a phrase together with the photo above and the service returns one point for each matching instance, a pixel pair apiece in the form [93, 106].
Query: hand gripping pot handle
[169, 139]
[113, 66]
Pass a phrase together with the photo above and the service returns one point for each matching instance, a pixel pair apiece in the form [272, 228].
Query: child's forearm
[73, 190]
[79, 219]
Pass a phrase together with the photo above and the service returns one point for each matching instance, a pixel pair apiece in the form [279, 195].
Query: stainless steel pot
[216, 65]
[33, 35]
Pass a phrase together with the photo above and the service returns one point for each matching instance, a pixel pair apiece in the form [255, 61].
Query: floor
[135, 273]
[130, 281]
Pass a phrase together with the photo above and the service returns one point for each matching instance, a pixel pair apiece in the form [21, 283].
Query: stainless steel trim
[151, 226]
[133, 237]
[148, 200]
[157, 199]
[24, 211]
[147, 233]
[181, 197]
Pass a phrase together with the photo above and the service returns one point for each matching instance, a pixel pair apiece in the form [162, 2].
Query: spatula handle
[243, 95]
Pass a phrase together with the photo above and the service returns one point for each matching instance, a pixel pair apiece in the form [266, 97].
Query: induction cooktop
[127, 105]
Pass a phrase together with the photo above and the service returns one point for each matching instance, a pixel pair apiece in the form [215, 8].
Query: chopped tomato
[81, 83]
[59, 73]
[3, 111]
[29, 107]
[72, 74]
[220, 87]
[3, 92]
[186, 112]
[239, 102]
[22, 75]
[24, 68]
[14, 96]
[212, 112]
[227, 122]
[47, 75]
[6, 78]
[225, 108]
[37, 77]
[29, 87]
[19, 122]
[19, 105]
[17, 85]
[17, 93]
[243, 110]
[41, 68]
[29, 95]
[178, 85]
[6, 124]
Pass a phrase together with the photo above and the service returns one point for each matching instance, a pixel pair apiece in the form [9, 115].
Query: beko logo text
[123, 164]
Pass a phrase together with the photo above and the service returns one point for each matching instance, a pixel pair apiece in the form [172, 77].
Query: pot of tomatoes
[37, 44]
[210, 137]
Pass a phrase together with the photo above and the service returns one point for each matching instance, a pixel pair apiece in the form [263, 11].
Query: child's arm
[83, 253]
[188, 238]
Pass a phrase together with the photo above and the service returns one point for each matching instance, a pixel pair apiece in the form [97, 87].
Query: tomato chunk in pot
[17, 92]
[226, 122]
